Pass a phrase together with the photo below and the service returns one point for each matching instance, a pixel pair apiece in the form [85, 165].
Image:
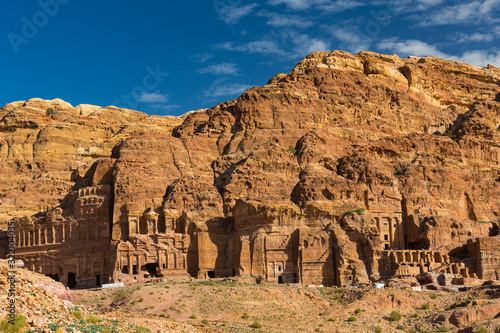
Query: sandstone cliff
[349, 169]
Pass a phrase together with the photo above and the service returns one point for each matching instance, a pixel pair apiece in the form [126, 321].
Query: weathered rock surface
[45, 146]
[349, 169]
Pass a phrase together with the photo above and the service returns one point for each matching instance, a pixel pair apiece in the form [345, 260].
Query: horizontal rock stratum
[350, 169]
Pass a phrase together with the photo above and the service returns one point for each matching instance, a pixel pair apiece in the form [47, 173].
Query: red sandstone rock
[350, 169]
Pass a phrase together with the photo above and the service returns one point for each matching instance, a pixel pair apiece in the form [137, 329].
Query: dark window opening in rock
[55, 277]
[151, 268]
[125, 269]
[98, 280]
[350, 277]
[279, 268]
[234, 271]
[295, 278]
[164, 266]
[211, 274]
[71, 280]
[134, 270]
[386, 237]
[280, 279]
[386, 246]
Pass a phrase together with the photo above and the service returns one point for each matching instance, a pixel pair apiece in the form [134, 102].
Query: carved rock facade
[350, 169]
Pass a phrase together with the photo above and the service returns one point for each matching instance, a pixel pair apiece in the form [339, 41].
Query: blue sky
[170, 57]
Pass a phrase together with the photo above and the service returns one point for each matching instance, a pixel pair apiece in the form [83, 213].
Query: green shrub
[245, 316]
[92, 319]
[292, 150]
[331, 319]
[401, 327]
[256, 324]
[358, 211]
[78, 314]
[193, 316]
[19, 323]
[451, 135]
[411, 330]
[443, 328]
[426, 306]
[358, 310]
[433, 296]
[415, 315]
[482, 329]
[378, 329]
[395, 316]
[352, 318]
[205, 322]
[49, 111]
[141, 329]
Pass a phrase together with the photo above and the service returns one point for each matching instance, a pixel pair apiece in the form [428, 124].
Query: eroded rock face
[350, 169]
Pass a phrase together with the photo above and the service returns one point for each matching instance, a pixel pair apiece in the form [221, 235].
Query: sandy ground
[210, 306]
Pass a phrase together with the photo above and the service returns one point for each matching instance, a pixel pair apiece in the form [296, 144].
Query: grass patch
[395, 316]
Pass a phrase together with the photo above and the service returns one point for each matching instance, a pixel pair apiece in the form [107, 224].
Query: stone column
[129, 263]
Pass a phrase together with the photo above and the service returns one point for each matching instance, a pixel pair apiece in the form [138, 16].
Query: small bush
[433, 296]
[426, 306]
[401, 327]
[141, 329]
[411, 330]
[358, 310]
[415, 315]
[378, 329]
[395, 316]
[256, 324]
[19, 324]
[443, 328]
[105, 330]
[358, 211]
[451, 135]
[193, 316]
[292, 150]
[482, 329]
[49, 111]
[92, 319]
[140, 300]
[78, 314]
[331, 320]
[205, 322]
[245, 316]
[352, 318]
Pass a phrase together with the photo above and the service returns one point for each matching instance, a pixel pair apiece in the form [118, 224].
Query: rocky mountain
[348, 170]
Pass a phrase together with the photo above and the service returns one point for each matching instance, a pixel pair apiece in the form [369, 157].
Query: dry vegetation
[232, 307]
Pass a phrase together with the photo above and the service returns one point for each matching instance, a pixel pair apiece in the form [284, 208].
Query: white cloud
[221, 88]
[407, 6]
[233, 13]
[466, 12]
[283, 20]
[304, 44]
[202, 57]
[260, 46]
[164, 107]
[154, 97]
[411, 47]
[481, 58]
[293, 4]
[221, 69]
[352, 38]
[475, 37]
[421, 49]
[324, 5]
[340, 5]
